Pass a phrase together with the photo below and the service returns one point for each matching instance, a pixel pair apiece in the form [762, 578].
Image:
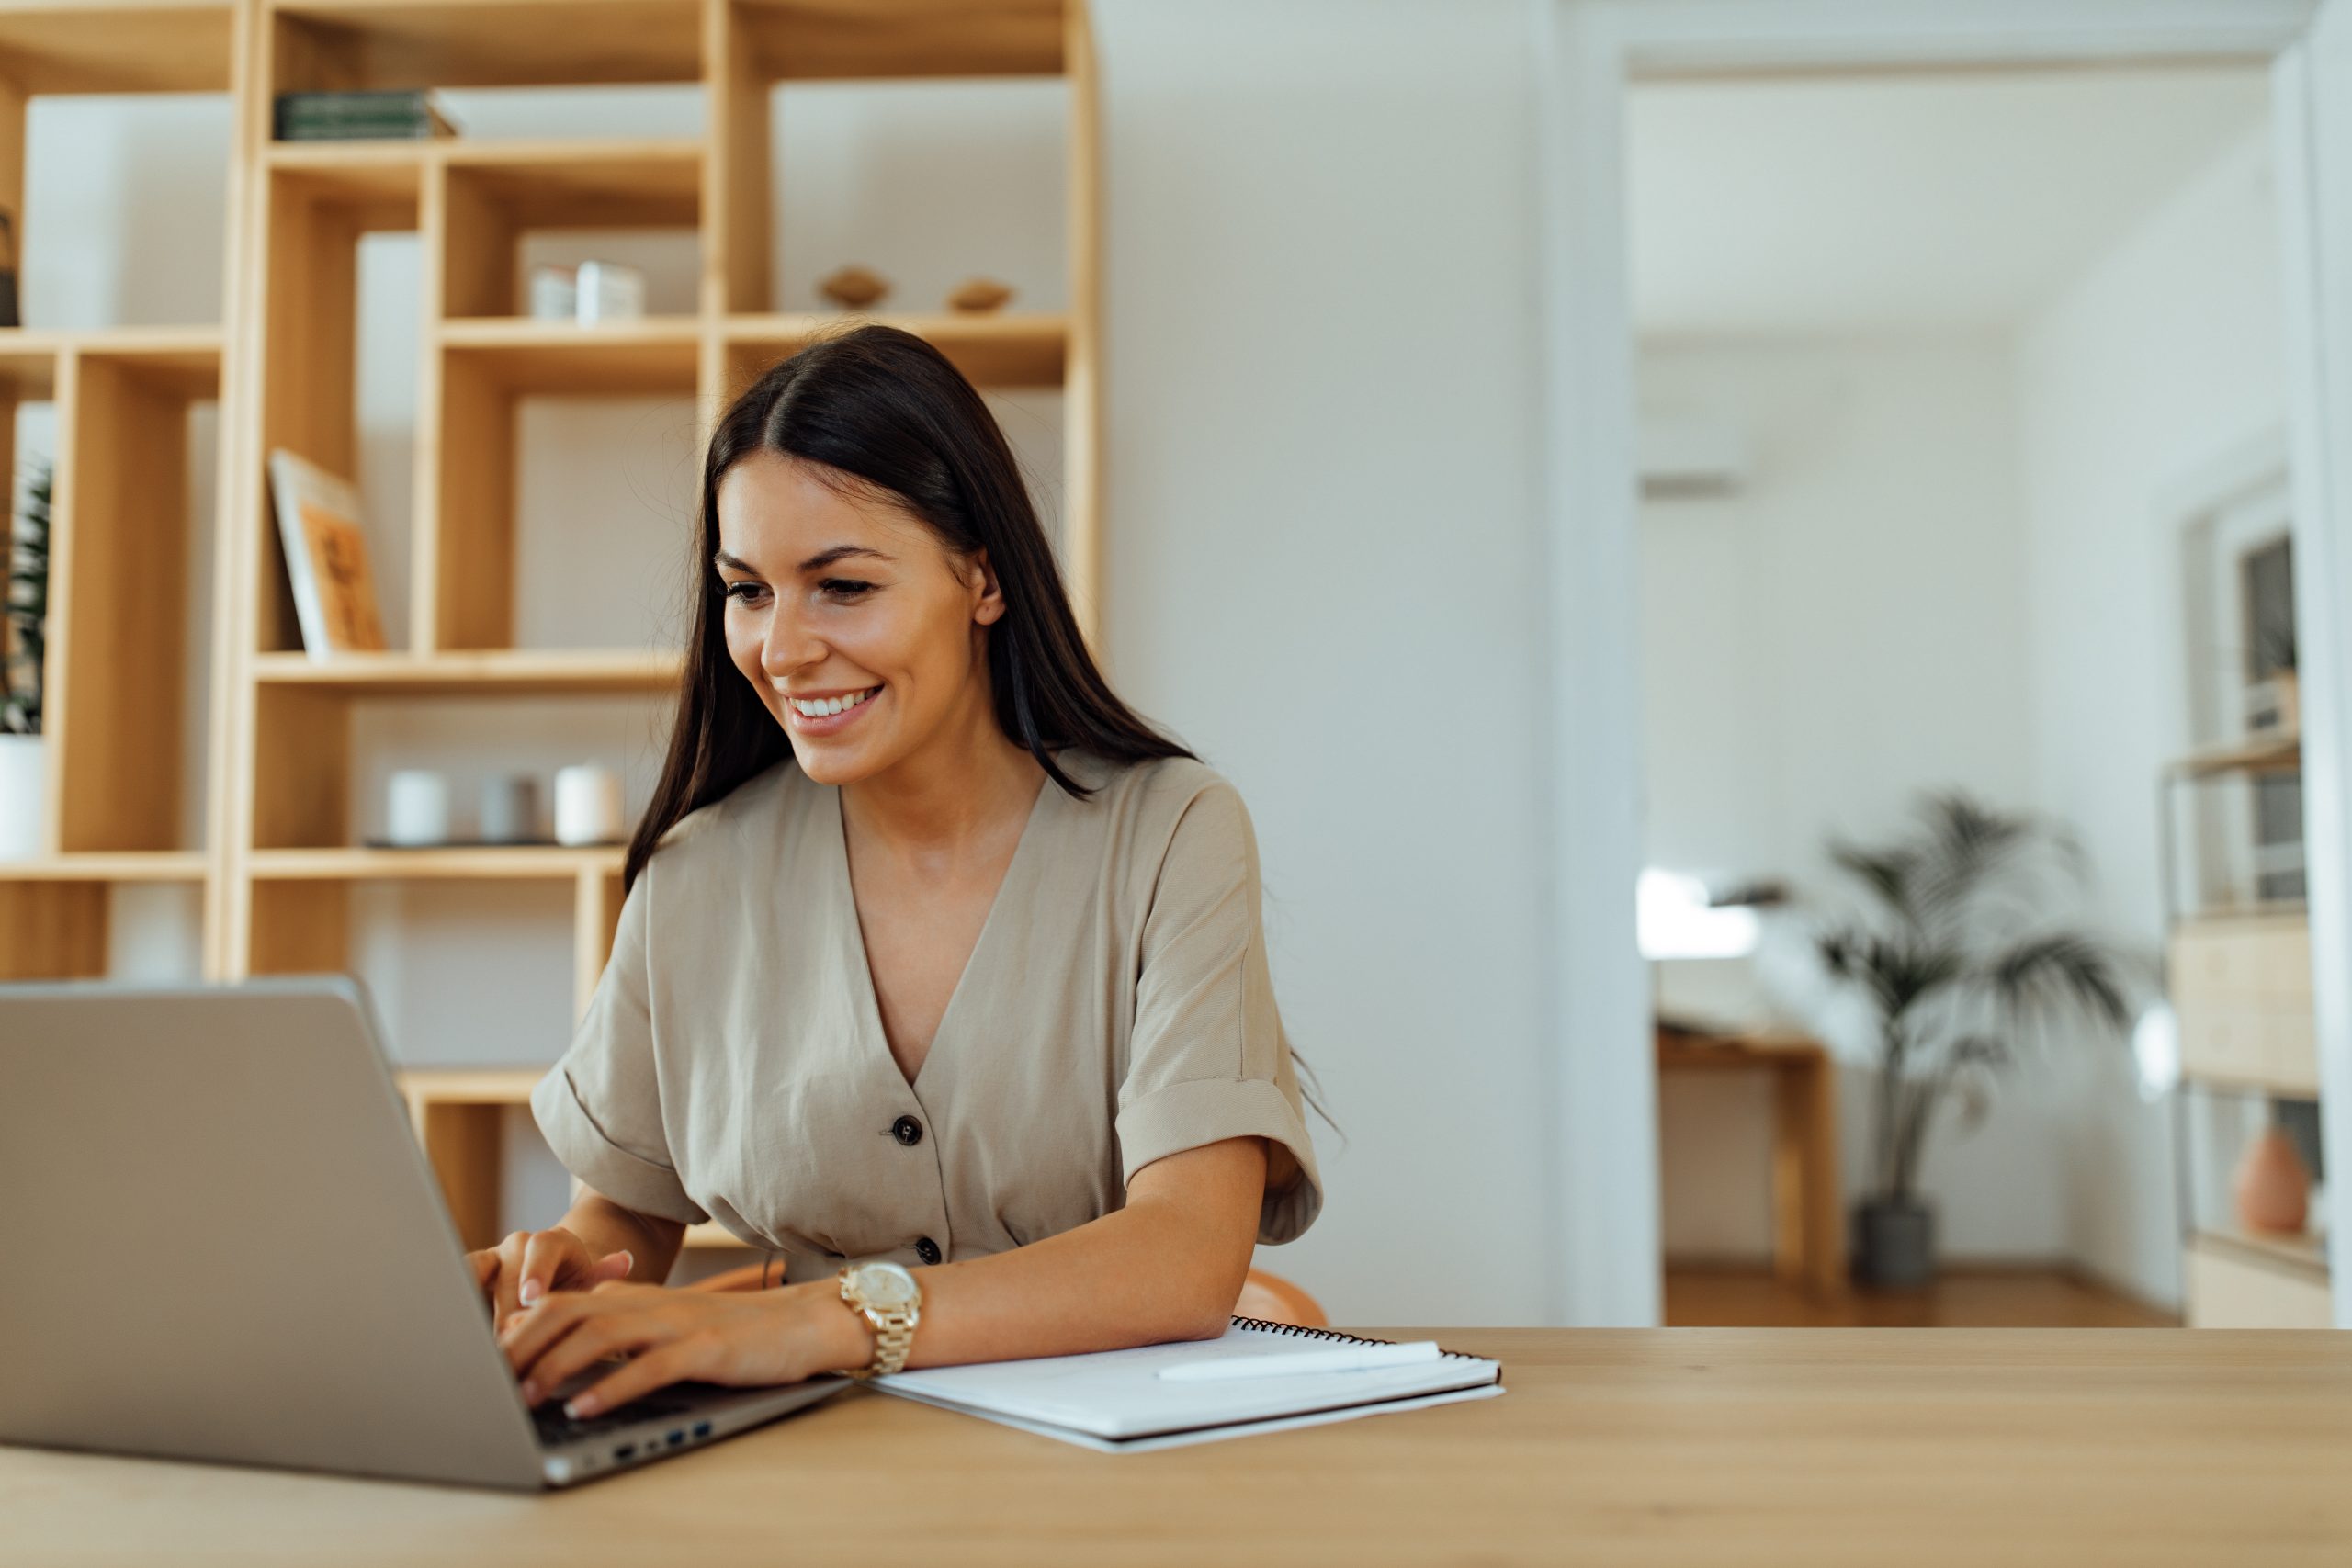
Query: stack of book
[343, 116]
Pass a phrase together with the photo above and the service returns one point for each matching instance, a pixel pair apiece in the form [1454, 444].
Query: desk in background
[1808, 1218]
[1805, 1447]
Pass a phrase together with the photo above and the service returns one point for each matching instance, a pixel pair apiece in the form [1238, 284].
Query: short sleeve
[1207, 1058]
[600, 1106]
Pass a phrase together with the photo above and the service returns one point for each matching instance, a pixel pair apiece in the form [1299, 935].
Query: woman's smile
[827, 716]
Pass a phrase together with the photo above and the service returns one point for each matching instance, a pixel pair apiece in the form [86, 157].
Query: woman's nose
[788, 645]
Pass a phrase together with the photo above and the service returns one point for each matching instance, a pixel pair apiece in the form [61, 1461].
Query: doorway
[1599, 55]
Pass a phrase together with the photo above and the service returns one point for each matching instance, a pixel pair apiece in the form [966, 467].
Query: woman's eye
[846, 587]
[745, 592]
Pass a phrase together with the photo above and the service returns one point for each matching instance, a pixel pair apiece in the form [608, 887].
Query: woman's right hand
[529, 1264]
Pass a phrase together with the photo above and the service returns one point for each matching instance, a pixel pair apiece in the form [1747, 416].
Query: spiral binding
[1332, 1335]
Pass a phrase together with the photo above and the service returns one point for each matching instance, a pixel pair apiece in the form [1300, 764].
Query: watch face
[886, 1285]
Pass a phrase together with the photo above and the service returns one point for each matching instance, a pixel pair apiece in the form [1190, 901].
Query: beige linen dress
[1116, 1008]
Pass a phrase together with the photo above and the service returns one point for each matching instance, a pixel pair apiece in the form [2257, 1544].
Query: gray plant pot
[1894, 1244]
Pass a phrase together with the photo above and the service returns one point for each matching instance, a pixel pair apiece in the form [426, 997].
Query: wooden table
[1808, 1218]
[1824, 1447]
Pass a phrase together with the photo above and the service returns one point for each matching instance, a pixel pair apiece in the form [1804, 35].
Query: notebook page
[1119, 1394]
[1153, 1443]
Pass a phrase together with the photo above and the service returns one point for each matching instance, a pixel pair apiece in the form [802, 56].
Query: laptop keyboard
[557, 1429]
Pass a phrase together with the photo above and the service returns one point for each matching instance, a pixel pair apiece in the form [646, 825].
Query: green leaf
[2062, 969]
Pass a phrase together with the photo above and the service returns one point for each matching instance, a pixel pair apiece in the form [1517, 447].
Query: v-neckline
[870, 999]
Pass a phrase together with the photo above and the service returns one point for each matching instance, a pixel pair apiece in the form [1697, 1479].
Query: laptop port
[627, 1450]
[702, 1428]
[677, 1437]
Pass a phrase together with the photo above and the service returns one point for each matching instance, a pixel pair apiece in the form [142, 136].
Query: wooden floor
[1962, 1298]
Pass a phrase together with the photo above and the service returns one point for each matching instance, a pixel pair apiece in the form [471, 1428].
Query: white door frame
[1604, 1080]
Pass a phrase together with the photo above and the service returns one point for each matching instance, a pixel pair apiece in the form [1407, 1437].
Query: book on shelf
[326, 557]
[332, 117]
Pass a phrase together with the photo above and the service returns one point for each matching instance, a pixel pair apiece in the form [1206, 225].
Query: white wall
[2164, 355]
[1325, 573]
[1844, 631]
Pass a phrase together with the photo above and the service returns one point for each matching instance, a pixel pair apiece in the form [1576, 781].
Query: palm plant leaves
[1886, 873]
[1960, 962]
[1895, 973]
[2058, 969]
[25, 646]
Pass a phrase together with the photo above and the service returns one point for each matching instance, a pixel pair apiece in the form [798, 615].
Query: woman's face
[838, 597]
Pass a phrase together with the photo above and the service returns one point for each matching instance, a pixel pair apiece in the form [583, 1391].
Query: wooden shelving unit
[280, 853]
[119, 516]
[2240, 984]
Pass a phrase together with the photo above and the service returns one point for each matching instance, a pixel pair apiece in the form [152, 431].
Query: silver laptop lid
[223, 1242]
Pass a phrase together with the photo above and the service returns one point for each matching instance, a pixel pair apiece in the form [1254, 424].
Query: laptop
[224, 1243]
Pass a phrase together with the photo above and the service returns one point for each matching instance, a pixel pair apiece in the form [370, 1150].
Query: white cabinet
[2230, 1287]
[2242, 991]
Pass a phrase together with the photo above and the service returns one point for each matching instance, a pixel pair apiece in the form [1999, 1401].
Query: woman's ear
[987, 598]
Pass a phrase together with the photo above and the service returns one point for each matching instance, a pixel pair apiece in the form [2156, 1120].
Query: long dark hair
[886, 407]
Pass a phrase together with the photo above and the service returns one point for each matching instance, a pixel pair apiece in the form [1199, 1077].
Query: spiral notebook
[1118, 1402]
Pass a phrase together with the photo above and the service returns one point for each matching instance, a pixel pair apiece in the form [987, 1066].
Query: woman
[940, 972]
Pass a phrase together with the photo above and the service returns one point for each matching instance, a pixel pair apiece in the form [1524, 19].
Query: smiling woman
[940, 970]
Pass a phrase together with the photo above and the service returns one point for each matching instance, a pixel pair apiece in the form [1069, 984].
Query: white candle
[416, 807]
[587, 804]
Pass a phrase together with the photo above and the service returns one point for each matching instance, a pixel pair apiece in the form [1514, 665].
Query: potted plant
[1954, 959]
[24, 648]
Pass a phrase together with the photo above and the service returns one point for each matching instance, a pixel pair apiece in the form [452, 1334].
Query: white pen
[1341, 1359]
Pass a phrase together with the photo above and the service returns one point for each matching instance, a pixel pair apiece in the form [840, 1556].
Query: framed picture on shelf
[326, 557]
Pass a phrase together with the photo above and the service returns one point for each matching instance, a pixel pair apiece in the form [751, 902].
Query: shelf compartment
[494, 193]
[317, 205]
[1026, 348]
[2241, 988]
[490, 673]
[544, 863]
[346, 44]
[52, 930]
[464, 562]
[301, 906]
[120, 587]
[619, 184]
[458, 1114]
[832, 39]
[54, 911]
[93, 46]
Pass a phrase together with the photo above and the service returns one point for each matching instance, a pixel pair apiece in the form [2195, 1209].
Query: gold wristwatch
[888, 1297]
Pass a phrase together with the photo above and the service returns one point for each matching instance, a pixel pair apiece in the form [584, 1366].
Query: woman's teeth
[826, 706]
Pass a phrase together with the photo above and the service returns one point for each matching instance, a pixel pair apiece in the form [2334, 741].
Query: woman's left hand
[748, 1339]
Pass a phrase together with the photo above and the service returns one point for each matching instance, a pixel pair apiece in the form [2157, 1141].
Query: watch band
[894, 1330]
[894, 1336]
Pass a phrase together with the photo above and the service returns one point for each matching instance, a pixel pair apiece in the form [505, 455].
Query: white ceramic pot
[24, 787]
[587, 804]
